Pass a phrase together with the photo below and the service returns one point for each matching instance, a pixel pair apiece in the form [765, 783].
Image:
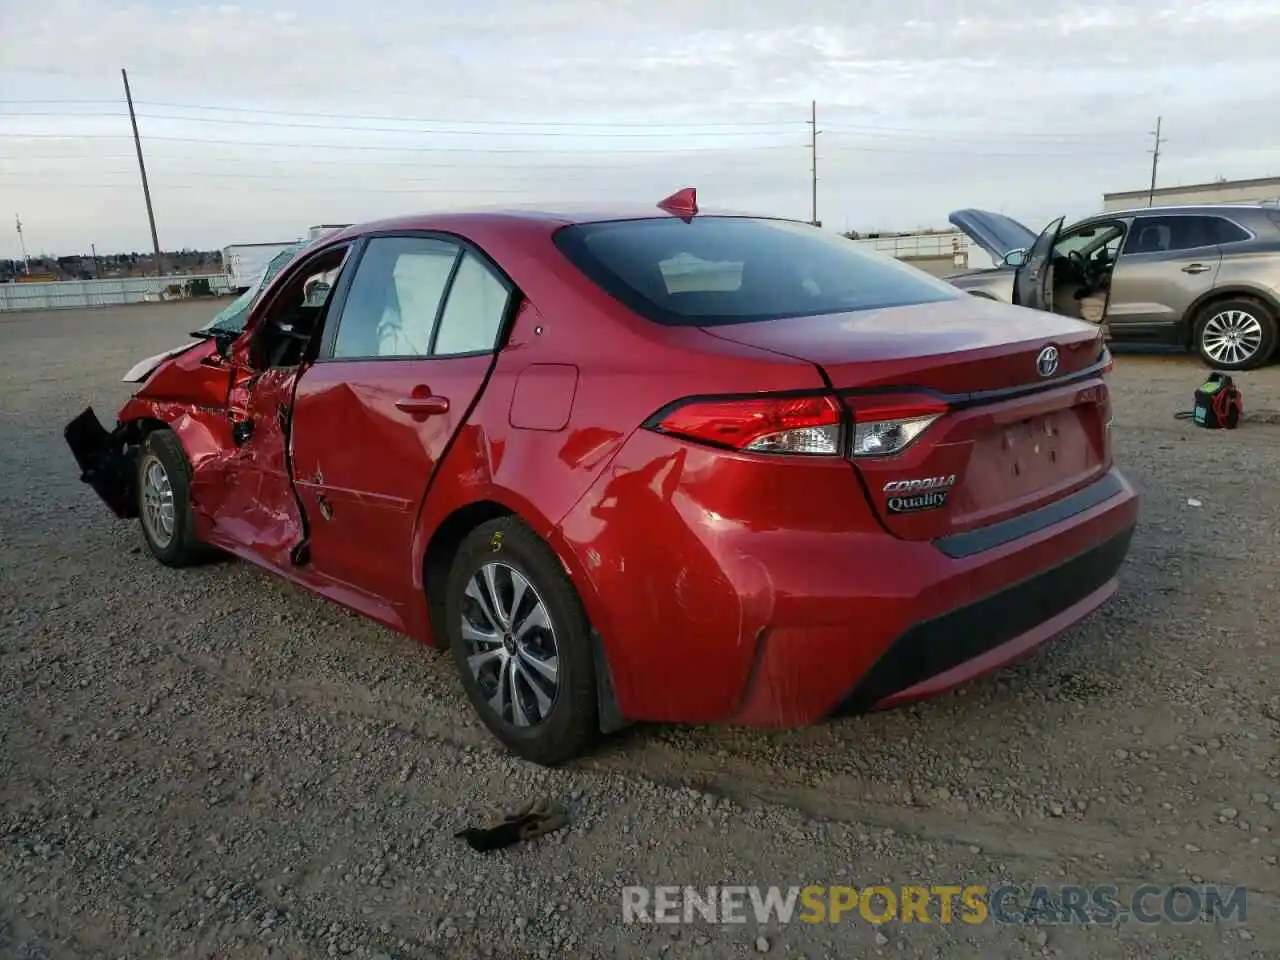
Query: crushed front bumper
[105, 462]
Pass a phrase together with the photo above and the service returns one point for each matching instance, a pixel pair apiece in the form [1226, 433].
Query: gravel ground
[211, 763]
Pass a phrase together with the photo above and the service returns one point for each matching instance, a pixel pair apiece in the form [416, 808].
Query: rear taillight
[884, 426]
[806, 426]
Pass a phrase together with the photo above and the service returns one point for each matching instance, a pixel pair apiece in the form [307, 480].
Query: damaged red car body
[640, 465]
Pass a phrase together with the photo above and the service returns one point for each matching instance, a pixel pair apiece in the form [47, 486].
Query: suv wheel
[1235, 334]
[522, 643]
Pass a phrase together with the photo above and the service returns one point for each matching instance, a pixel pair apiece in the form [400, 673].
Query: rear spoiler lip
[961, 400]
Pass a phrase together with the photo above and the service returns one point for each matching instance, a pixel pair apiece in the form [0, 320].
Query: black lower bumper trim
[959, 545]
[936, 646]
[104, 465]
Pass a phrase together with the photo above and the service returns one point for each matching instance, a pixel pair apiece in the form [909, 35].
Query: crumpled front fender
[141, 370]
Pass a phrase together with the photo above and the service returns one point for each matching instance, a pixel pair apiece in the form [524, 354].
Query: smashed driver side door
[244, 500]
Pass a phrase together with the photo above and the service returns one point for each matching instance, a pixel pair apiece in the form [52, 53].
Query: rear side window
[473, 313]
[1173, 233]
[1229, 232]
[723, 270]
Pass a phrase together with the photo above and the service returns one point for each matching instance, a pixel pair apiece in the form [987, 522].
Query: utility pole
[22, 241]
[142, 168]
[1155, 162]
[97, 274]
[813, 153]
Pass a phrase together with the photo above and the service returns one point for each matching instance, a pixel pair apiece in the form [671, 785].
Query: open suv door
[1033, 283]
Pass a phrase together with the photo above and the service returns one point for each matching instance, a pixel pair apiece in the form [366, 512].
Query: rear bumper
[942, 653]
[104, 462]
[974, 603]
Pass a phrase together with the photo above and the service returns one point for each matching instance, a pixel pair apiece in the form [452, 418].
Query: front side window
[1089, 240]
[724, 270]
[293, 318]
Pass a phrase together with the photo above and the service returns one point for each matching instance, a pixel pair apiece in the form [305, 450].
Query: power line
[602, 191]
[374, 162]
[194, 177]
[366, 129]
[460, 121]
[308, 88]
[294, 188]
[525, 151]
[735, 128]
[976, 135]
[401, 148]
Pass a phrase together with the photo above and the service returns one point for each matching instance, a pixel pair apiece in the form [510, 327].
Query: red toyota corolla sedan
[633, 465]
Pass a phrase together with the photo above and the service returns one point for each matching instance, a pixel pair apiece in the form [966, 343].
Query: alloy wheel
[157, 501]
[511, 645]
[1231, 336]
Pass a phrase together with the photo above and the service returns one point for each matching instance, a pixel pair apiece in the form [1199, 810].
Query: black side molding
[961, 545]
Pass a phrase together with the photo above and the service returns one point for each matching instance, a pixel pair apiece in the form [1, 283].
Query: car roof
[550, 216]
[1189, 208]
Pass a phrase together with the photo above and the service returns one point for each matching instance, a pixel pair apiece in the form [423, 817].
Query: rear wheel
[521, 642]
[164, 507]
[1235, 334]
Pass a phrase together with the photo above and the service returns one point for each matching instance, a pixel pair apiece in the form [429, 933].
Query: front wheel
[164, 507]
[1235, 335]
[522, 643]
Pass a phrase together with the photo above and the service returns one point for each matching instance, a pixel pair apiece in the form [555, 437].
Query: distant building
[1220, 191]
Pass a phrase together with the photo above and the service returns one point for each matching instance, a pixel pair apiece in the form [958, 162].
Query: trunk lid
[1008, 436]
[994, 232]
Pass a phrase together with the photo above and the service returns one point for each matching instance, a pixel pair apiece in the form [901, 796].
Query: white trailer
[324, 229]
[244, 263]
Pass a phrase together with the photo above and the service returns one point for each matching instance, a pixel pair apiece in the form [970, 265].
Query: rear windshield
[721, 270]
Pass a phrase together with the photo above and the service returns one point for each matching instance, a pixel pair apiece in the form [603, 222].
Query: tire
[560, 719]
[1250, 320]
[169, 533]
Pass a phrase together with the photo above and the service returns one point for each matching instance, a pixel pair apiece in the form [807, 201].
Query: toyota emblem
[1047, 362]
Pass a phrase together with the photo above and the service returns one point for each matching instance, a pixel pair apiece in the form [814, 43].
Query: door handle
[1195, 268]
[423, 405]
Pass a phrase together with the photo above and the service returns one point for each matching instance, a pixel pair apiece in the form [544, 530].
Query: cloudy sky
[258, 122]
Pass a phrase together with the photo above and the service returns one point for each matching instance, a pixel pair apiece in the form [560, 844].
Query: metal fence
[99, 293]
[907, 246]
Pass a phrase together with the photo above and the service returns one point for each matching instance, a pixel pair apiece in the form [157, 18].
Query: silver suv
[1203, 277]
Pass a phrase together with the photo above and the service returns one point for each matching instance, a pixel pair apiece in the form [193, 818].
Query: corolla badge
[923, 483]
[1047, 362]
[925, 493]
